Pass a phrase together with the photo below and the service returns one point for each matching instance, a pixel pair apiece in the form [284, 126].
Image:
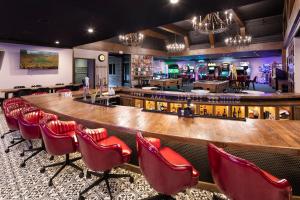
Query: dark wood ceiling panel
[260, 9]
[264, 26]
[198, 38]
[44, 21]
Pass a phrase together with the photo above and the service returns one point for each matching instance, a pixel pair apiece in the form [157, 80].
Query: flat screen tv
[38, 59]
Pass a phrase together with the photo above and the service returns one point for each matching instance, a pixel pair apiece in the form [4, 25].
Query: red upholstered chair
[102, 153]
[10, 100]
[5, 104]
[29, 124]
[60, 139]
[239, 179]
[164, 169]
[12, 113]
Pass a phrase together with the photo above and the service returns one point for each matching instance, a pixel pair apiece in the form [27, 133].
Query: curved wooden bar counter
[273, 145]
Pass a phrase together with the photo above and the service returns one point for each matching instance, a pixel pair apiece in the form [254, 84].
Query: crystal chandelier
[132, 39]
[214, 22]
[175, 47]
[238, 41]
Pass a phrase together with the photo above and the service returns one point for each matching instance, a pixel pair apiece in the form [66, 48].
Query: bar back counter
[217, 105]
[273, 145]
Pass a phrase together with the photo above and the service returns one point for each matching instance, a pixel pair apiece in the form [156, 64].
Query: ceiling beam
[243, 31]
[211, 40]
[236, 18]
[227, 50]
[154, 34]
[116, 48]
[171, 28]
[187, 42]
[240, 22]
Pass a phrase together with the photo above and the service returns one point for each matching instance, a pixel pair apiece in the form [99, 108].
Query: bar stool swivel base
[35, 152]
[103, 177]
[8, 132]
[67, 162]
[19, 140]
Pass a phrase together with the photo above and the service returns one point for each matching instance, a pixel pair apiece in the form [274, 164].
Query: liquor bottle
[173, 109]
[162, 107]
[234, 113]
[239, 113]
[201, 110]
[205, 110]
[224, 113]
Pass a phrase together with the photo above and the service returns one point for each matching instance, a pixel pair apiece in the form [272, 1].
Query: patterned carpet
[29, 183]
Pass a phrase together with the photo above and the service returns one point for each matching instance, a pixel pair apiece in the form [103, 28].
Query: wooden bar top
[284, 134]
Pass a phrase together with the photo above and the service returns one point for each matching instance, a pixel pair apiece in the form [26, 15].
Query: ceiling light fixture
[238, 40]
[175, 47]
[132, 39]
[174, 1]
[56, 42]
[214, 22]
[90, 30]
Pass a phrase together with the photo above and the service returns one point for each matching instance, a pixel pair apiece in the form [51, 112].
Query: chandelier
[175, 47]
[238, 40]
[214, 22]
[132, 39]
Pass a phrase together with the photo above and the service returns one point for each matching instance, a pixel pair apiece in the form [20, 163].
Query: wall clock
[101, 57]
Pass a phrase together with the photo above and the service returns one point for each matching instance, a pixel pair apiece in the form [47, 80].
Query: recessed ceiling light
[174, 1]
[90, 30]
[57, 42]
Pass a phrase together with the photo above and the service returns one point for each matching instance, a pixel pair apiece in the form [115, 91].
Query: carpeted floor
[29, 183]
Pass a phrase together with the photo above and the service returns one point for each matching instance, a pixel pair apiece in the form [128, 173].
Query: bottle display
[239, 113]
[234, 113]
[224, 113]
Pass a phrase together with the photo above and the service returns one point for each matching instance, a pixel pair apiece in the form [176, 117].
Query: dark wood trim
[226, 50]
[116, 48]
[154, 34]
[171, 28]
[211, 40]
[293, 31]
[291, 16]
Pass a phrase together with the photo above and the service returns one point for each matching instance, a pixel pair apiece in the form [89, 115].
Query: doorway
[84, 68]
[119, 70]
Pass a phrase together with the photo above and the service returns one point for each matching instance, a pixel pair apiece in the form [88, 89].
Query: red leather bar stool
[5, 104]
[10, 100]
[12, 113]
[240, 179]
[29, 124]
[60, 139]
[165, 170]
[101, 152]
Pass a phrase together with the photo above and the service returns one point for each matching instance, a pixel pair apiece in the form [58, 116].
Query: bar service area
[197, 100]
